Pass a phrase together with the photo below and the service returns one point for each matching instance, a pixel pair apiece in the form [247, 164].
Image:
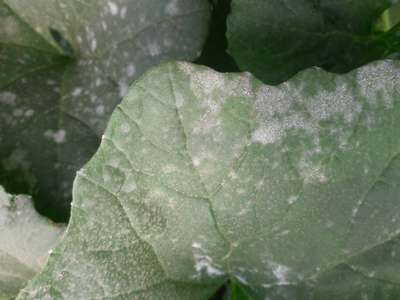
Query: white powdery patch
[172, 7]
[123, 88]
[131, 70]
[311, 172]
[113, 7]
[100, 109]
[122, 13]
[242, 280]
[7, 98]
[267, 134]
[154, 48]
[196, 245]
[179, 99]
[204, 263]
[204, 83]
[292, 199]
[281, 272]
[291, 107]
[340, 102]
[213, 89]
[57, 136]
[196, 161]
[93, 44]
[29, 113]
[125, 128]
[186, 67]
[240, 86]
[277, 113]
[379, 82]
[5, 206]
[76, 92]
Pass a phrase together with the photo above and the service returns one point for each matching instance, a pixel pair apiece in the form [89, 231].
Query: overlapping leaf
[64, 65]
[276, 39]
[25, 242]
[202, 177]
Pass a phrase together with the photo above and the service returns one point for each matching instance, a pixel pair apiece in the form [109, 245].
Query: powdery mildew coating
[184, 194]
[56, 102]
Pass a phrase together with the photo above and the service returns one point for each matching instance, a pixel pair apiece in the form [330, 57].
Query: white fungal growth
[312, 173]
[154, 48]
[339, 102]
[125, 128]
[213, 88]
[196, 161]
[196, 245]
[29, 113]
[292, 199]
[242, 280]
[122, 13]
[7, 98]
[100, 109]
[204, 263]
[123, 88]
[93, 44]
[281, 273]
[131, 70]
[113, 7]
[277, 110]
[267, 134]
[57, 136]
[172, 7]
[76, 92]
[378, 82]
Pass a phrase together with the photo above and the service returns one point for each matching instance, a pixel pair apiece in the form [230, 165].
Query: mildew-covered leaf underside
[292, 190]
[64, 65]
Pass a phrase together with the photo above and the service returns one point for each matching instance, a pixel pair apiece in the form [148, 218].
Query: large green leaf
[275, 39]
[64, 65]
[201, 177]
[25, 242]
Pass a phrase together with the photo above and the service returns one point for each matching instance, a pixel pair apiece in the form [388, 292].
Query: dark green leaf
[275, 39]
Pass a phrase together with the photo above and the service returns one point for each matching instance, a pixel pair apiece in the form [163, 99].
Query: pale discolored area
[26, 239]
[65, 65]
[202, 177]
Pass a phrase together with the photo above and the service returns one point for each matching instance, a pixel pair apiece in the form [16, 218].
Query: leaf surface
[276, 39]
[63, 68]
[25, 241]
[203, 177]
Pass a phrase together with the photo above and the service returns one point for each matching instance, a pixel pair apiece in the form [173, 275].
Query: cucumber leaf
[201, 177]
[276, 39]
[26, 238]
[64, 65]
